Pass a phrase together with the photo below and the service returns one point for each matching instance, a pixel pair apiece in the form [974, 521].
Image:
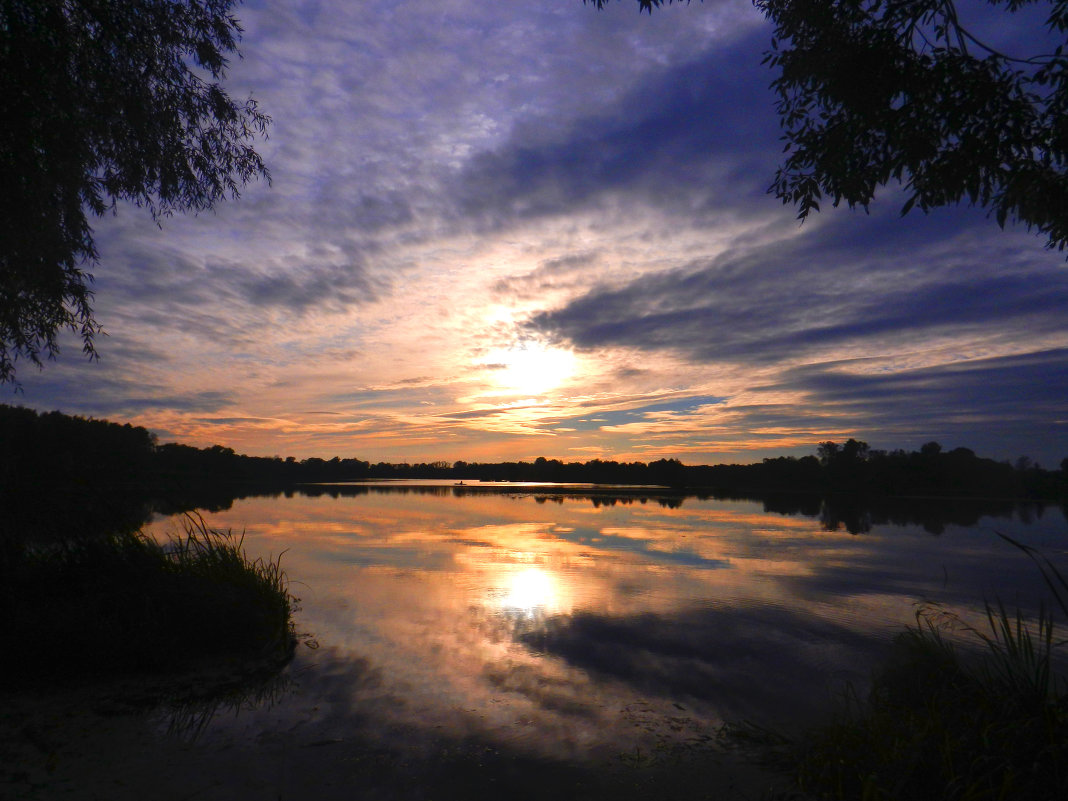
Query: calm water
[574, 625]
[475, 639]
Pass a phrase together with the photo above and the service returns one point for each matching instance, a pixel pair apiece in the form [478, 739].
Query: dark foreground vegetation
[955, 713]
[124, 603]
[939, 725]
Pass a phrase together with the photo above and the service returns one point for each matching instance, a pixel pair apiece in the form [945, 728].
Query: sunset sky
[499, 230]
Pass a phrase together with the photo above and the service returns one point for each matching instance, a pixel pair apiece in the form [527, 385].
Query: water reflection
[555, 625]
[530, 592]
[188, 715]
[536, 622]
[741, 661]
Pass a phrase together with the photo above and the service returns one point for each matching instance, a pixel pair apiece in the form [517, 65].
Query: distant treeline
[51, 451]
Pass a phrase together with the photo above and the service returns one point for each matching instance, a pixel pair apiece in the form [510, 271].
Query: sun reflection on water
[529, 591]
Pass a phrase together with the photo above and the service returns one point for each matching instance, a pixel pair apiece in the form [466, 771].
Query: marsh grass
[128, 603]
[956, 712]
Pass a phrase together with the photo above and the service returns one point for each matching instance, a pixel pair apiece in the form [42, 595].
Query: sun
[530, 368]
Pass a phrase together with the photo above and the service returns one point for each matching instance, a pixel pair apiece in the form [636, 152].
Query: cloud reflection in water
[540, 624]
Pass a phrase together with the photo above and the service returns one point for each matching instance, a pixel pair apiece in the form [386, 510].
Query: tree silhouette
[104, 101]
[873, 92]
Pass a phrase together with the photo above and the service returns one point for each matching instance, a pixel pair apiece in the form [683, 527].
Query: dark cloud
[116, 396]
[989, 405]
[694, 135]
[474, 414]
[832, 288]
[346, 208]
[678, 407]
[1000, 407]
[298, 289]
[171, 285]
[572, 270]
[497, 411]
[566, 263]
[207, 401]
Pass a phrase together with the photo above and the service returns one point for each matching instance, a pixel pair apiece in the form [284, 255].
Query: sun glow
[529, 590]
[530, 369]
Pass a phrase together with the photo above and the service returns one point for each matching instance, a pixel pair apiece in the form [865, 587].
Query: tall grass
[129, 603]
[942, 724]
[986, 718]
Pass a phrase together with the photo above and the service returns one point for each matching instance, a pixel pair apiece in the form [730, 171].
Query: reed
[986, 718]
[128, 603]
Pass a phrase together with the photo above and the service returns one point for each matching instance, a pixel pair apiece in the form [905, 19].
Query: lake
[555, 625]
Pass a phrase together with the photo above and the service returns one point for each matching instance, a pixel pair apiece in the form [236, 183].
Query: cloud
[986, 404]
[119, 397]
[688, 139]
[678, 407]
[568, 272]
[800, 298]
[153, 270]
[323, 285]
[999, 406]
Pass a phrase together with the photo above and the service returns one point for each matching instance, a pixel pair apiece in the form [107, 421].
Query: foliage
[874, 92]
[126, 602]
[105, 101]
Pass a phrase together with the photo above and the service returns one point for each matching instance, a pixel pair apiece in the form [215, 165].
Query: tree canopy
[104, 101]
[873, 92]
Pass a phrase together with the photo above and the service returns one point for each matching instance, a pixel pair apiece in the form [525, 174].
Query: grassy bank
[125, 603]
[957, 712]
[945, 723]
